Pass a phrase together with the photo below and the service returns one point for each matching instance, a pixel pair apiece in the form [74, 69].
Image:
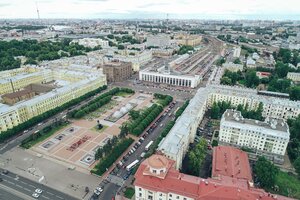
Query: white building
[293, 76]
[140, 58]
[160, 40]
[233, 67]
[176, 143]
[237, 52]
[92, 42]
[271, 136]
[251, 63]
[164, 76]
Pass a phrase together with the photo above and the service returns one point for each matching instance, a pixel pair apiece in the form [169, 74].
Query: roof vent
[206, 182]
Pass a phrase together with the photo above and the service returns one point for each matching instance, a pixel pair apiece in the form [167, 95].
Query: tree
[121, 47]
[266, 172]
[215, 111]
[297, 166]
[251, 79]
[294, 93]
[237, 61]
[196, 157]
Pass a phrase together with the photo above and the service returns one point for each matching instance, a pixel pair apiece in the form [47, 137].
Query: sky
[153, 9]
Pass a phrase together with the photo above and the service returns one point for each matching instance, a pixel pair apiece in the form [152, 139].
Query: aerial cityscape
[149, 100]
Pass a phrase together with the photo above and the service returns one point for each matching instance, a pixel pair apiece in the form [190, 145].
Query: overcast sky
[185, 9]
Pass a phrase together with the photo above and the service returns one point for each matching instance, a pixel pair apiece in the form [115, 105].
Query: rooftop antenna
[37, 10]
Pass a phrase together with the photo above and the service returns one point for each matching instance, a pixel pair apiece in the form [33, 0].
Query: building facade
[67, 90]
[117, 71]
[157, 179]
[270, 137]
[92, 42]
[293, 76]
[233, 67]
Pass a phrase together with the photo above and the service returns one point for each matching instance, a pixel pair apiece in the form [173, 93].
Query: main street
[117, 176]
[27, 187]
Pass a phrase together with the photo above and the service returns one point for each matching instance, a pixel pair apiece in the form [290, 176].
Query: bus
[132, 165]
[148, 145]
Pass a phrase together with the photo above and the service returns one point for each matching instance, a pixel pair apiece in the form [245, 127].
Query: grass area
[122, 94]
[31, 141]
[129, 192]
[242, 82]
[288, 185]
[95, 128]
[97, 113]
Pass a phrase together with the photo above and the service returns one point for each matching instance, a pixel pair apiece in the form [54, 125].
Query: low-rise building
[187, 39]
[270, 137]
[250, 63]
[160, 40]
[293, 76]
[261, 75]
[92, 42]
[117, 71]
[233, 67]
[237, 52]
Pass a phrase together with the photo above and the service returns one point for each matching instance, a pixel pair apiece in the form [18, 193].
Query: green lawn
[122, 94]
[289, 185]
[129, 192]
[95, 128]
[29, 143]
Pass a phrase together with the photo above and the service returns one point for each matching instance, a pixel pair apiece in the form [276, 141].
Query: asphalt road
[15, 141]
[111, 188]
[8, 194]
[27, 187]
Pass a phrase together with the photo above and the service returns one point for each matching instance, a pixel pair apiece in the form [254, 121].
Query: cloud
[4, 4]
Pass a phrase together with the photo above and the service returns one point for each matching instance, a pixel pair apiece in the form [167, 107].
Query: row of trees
[97, 103]
[181, 109]
[111, 156]
[35, 120]
[164, 100]
[265, 172]
[47, 131]
[102, 151]
[137, 126]
[294, 144]
[196, 157]
[287, 56]
[218, 108]
[37, 51]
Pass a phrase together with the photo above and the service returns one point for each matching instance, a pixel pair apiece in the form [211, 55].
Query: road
[15, 141]
[8, 193]
[115, 178]
[27, 187]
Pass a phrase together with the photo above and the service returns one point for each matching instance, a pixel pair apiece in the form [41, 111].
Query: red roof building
[232, 162]
[157, 179]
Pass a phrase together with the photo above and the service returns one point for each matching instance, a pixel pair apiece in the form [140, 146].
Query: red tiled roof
[228, 161]
[226, 188]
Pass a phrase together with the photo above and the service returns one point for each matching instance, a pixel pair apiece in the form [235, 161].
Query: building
[274, 107]
[138, 59]
[160, 40]
[117, 71]
[163, 75]
[233, 67]
[70, 83]
[270, 137]
[293, 76]
[157, 179]
[187, 39]
[12, 98]
[250, 63]
[237, 52]
[92, 42]
[175, 145]
[261, 75]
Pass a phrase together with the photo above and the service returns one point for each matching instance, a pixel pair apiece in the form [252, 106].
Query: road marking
[23, 182]
[9, 181]
[50, 193]
[59, 197]
[27, 189]
[31, 185]
[45, 197]
[19, 186]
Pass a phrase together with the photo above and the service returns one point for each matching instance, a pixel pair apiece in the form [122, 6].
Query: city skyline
[178, 9]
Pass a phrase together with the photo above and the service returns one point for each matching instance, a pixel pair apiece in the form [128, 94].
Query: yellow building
[85, 80]
[186, 39]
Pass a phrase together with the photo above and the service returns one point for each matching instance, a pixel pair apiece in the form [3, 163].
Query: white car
[99, 189]
[25, 131]
[40, 123]
[35, 195]
[97, 192]
[39, 191]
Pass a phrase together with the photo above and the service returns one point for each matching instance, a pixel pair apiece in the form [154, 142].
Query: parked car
[39, 191]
